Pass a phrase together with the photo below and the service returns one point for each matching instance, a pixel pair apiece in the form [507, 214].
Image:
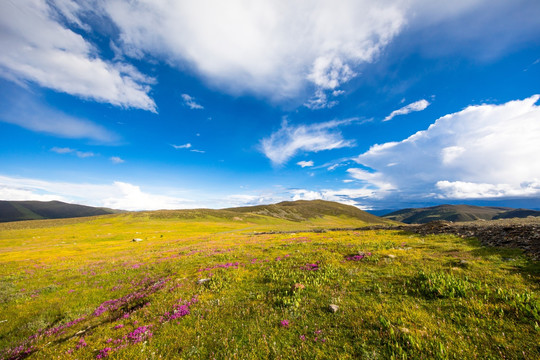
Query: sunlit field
[205, 287]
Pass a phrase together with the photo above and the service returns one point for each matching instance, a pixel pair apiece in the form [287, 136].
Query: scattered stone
[136, 240]
[333, 308]
[455, 269]
[202, 281]
[404, 330]
[391, 256]
[463, 262]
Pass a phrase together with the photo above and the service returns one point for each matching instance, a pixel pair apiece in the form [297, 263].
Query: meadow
[210, 287]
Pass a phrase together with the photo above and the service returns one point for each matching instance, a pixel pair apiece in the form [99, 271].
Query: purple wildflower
[139, 334]
[285, 323]
[103, 353]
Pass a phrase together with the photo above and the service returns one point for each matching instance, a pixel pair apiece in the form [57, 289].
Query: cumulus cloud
[190, 102]
[305, 163]
[290, 139]
[415, 106]
[483, 151]
[343, 196]
[271, 48]
[38, 48]
[117, 195]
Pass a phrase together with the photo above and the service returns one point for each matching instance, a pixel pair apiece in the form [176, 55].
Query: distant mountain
[35, 210]
[457, 213]
[381, 212]
[517, 213]
[302, 210]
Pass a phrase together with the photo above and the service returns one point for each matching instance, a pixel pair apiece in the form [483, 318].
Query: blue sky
[178, 104]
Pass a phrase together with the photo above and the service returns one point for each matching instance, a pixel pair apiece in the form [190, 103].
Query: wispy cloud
[116, 160]
[64, 150]
[23, 110]
[38, 48]
[190, 102]
[197, 151]
[290, 139]
[480, 152]
[185, 146]
[305, 163]
[415, 106]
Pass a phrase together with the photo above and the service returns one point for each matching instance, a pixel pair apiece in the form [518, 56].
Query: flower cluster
[115, 304]
[358, 257]
[180, 309]
[285, 323]
[138, 335]
[60, 329]
[310, 267]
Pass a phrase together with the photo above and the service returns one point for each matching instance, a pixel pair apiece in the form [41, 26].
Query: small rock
[333, 308]
[391, 256]
[202, 281]
[463, 262]
[404, 330]
[136, 240]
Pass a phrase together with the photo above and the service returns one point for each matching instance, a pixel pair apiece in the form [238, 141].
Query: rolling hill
[457, 213]
[317, 212]
[36, 210]
[302, 210]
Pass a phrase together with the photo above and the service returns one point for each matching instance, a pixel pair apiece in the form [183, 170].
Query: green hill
[36, 210]
[457, 213]
[303, 210]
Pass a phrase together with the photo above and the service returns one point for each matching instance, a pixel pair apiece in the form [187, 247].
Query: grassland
[81, 289]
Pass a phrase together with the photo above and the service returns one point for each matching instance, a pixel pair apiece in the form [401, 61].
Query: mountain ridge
[457, 213]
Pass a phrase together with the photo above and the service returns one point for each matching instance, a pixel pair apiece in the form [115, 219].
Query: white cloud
[185, 146]
[197, 151]
[482, 151]
[191, 103]
[64, 150]
[415, 106]
[271, 48]
[467, 190]
[116, 160]
[117, 195]
[305, 163]
[289, 140]
[343, 196]
[84, 154]
[24, 111]
[38, 48]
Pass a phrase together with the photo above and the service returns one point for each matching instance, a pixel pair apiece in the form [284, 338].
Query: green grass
[432, 297]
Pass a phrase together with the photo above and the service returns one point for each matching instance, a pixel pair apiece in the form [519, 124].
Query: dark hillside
[35, 210]
[457, 213]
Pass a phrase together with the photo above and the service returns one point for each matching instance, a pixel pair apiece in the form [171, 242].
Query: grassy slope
[423, 303]
[303, 210]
